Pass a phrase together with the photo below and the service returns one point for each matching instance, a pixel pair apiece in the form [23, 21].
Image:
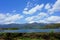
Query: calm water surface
[30, 30]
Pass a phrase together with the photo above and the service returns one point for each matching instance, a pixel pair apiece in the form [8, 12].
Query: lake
[30, 30]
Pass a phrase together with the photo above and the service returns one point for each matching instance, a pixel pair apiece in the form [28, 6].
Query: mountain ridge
[31, 25]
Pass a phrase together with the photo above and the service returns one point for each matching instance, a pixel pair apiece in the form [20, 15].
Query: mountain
[27, 25]
[30, 26]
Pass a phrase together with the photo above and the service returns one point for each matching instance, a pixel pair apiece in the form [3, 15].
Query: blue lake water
[30, 30]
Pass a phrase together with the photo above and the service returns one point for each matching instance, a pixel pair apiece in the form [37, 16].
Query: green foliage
[31, 36]
[10, 28]
[52, 26]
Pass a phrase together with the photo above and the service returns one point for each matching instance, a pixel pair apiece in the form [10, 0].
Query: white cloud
[32, 22]
[36, 17]
[55, 7]
[47, 6]
[43, 14]
[34, 9]
[13, 17]
[9, 18]
[25, 9]
[29, 18]
[42, 21]
[51, 19]
[2, 16]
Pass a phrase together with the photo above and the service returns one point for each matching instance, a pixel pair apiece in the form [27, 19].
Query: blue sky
[29, 11]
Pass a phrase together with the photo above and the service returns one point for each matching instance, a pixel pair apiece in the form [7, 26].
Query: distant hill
[31, 26]
[27, 25]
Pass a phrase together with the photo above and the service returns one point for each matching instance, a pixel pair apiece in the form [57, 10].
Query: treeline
[43, 26]
[52, 26]
[9, 28]
[30, 36]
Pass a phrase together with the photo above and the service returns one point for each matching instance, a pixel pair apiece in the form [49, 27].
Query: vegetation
[9, 28]
[30, 36]
[42, 26]
[12, 28]
[52, 26]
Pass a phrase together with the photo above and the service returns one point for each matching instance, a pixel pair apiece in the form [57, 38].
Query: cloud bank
[9, 18]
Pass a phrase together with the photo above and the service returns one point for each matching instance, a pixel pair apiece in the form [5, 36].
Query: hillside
[32, 26]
